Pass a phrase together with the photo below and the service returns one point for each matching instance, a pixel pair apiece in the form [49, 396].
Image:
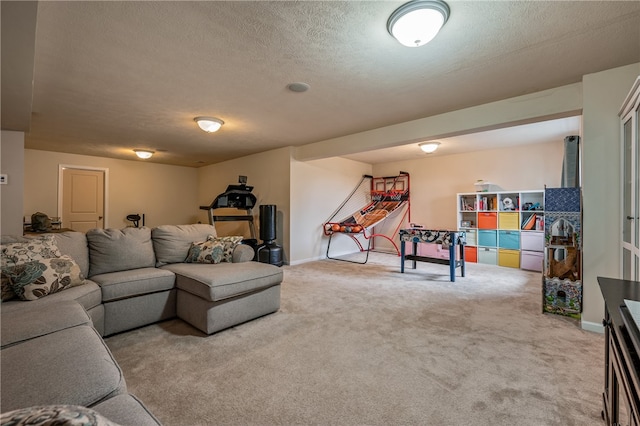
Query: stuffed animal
[507, 204]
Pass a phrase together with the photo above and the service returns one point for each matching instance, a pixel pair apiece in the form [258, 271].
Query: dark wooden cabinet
[621, 401]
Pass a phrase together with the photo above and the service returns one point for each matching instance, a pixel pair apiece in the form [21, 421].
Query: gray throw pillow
[113, 250]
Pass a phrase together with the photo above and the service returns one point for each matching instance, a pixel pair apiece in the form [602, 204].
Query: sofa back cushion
[74, 245]
[172, 242]
[113, 250]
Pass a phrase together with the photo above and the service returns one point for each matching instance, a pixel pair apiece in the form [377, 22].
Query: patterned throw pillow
[16, 253]
[6, 292]
[61, 415]
[214, 250]
[39, 248]
[38, 278]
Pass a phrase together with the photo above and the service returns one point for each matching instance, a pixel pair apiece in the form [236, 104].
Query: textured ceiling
[113, 76]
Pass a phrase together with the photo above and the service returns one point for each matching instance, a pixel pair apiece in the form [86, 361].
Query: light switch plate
[4, 179]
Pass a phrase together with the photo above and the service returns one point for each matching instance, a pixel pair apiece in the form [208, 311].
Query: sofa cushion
[113, 250]
[74, 244]
[24, 321]
[127, 410]
[59, 415]
[123, 284]
[172, 242]
[224, 280]
[38, 278]
[71, 366]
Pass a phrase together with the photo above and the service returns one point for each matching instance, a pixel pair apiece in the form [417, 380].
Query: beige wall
[268, 173]
[435, 181]
[165, 194]
[603, 95]
[318, 188]
[11, 194]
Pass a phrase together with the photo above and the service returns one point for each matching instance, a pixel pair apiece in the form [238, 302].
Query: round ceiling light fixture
[145, 154]
[416, 23]
[429, 147]
[298, 87]
[209, 124]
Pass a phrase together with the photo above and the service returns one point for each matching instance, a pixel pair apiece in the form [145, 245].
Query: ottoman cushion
[224, 280]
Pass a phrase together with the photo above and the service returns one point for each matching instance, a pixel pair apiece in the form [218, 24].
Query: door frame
[105, 170]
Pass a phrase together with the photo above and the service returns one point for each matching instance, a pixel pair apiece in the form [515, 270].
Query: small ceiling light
[209, 124]
[298, 87]
[143, 153]
[416, 23]
[429, 147]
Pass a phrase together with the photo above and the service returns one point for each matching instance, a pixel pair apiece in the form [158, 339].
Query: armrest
[27, 320]
[243, 253]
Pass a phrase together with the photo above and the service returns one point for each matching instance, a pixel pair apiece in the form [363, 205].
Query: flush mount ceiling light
[416, 23]
[143, 153]
[209, 124]
[429, 147]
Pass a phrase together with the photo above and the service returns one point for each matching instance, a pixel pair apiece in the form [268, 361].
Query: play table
[448, 239]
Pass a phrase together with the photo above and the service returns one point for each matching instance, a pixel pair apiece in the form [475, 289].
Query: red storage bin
[471, 254]
[487, 220]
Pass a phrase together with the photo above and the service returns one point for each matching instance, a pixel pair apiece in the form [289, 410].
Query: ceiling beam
[564, 101]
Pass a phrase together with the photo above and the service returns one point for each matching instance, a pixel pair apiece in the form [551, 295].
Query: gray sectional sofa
[52, 350]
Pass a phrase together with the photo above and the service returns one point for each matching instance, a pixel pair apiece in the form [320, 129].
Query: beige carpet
[366, 345]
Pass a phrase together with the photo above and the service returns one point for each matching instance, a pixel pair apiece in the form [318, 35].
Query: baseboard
[310, 259]
[592, 326]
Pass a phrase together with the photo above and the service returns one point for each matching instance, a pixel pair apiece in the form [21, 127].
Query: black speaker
[267, 222]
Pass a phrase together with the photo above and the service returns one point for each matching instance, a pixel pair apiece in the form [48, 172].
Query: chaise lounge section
[136, 277]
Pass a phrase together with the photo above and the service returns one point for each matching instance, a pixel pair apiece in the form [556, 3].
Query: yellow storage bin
[509, 258]
[508, 220]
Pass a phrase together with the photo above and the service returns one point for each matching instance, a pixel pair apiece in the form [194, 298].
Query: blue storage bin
[509, 240]
[487, 238]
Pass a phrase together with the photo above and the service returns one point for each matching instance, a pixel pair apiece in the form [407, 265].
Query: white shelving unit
[504, 228]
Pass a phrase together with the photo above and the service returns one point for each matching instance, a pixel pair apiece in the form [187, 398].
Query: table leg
[462, 259]
[402, 257]
[452, 262]
[415, 252]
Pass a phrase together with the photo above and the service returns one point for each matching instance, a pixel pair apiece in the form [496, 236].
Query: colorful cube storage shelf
[563, 297]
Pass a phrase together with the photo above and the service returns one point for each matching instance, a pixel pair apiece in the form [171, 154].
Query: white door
[82, 199]
[631, 186]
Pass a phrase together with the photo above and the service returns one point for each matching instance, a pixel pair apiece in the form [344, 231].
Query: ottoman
[212, 297]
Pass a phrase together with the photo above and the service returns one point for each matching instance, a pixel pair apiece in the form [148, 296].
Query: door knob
[630, 217]
[99, 217]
